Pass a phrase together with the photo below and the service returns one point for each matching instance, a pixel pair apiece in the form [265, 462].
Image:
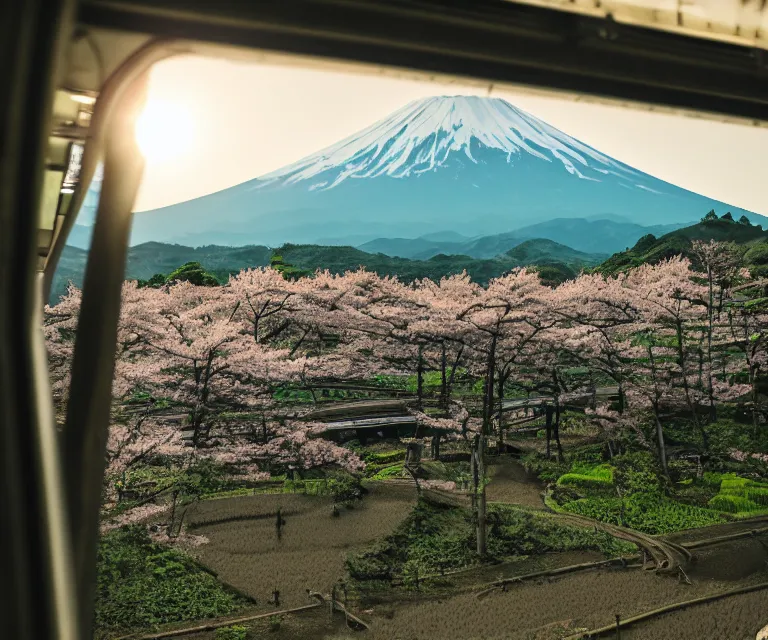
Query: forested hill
[650, 249]
[555, 261]
[559, 259]
[150, 258]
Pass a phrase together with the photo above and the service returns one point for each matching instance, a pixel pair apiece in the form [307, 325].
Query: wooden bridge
[364, 419]
[578, 399]
[369, 418]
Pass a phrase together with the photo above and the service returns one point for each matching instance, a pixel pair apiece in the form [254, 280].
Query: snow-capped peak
[422, 135]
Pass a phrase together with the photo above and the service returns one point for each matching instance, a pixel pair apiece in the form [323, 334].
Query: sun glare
[164, 131]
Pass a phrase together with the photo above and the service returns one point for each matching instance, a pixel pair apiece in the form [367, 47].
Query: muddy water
[311, 551]
[246, 552]
[736, 618]
[550, 608]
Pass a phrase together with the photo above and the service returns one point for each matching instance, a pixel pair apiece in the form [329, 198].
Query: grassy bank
[436, 539]
[142, 585]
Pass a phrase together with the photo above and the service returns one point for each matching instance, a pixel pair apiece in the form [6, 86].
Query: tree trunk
[452, 375]
[443, 378]
[622, 400]
[174, 501]
[682, 363]
[420, 379]
[710, 386]
[436, 447]
[753, 397]
[500, 426]
[479, 476]
[488, 401]
[662, 445]
[557, 431]
[548, 411]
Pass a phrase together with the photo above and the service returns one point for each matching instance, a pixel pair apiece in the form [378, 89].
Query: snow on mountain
[463, 164]
[421, 136]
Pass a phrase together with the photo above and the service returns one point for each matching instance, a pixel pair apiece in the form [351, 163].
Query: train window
[389, 344]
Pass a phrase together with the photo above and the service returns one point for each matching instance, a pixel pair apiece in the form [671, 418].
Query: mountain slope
[463, 164]
[650, 249]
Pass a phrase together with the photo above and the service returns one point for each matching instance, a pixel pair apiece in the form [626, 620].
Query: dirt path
[245, 551]
[512, 484]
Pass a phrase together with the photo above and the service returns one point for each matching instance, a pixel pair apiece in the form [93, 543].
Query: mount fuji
[451, 164]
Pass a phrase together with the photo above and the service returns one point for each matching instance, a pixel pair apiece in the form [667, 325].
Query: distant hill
[650, 249]
[542, 251]
[148, 259]
[419, 248]
[530, 252]
[145, 260]
[596, 236]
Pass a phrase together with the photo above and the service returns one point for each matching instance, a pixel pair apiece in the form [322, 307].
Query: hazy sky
[240, 121]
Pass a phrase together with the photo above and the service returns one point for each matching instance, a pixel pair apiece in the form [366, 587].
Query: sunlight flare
[165, 131]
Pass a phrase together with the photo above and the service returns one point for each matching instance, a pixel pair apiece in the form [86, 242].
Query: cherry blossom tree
[721, 262]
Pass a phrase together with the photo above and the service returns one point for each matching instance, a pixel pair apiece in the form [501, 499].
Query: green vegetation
[739, 496]
[626, 492]
[192, 272]
[649, 514]
[458, 472]
[234, 632]
[149, 261]
[587, 476]
[275, 622]
[288, 271]
[650, 249]
[146, 260]
[533, 252]
[436, 539]
[141, 585]
[388, 472]
[383, 457]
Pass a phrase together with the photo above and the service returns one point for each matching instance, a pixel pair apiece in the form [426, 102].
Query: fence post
[618, 627]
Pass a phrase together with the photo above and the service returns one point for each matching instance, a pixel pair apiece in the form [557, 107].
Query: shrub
[637, 472]
[141, 584]
[725, 435]
[345, 488]
[713, 479]
[235, 632]
[372, 564]
[275, 622]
